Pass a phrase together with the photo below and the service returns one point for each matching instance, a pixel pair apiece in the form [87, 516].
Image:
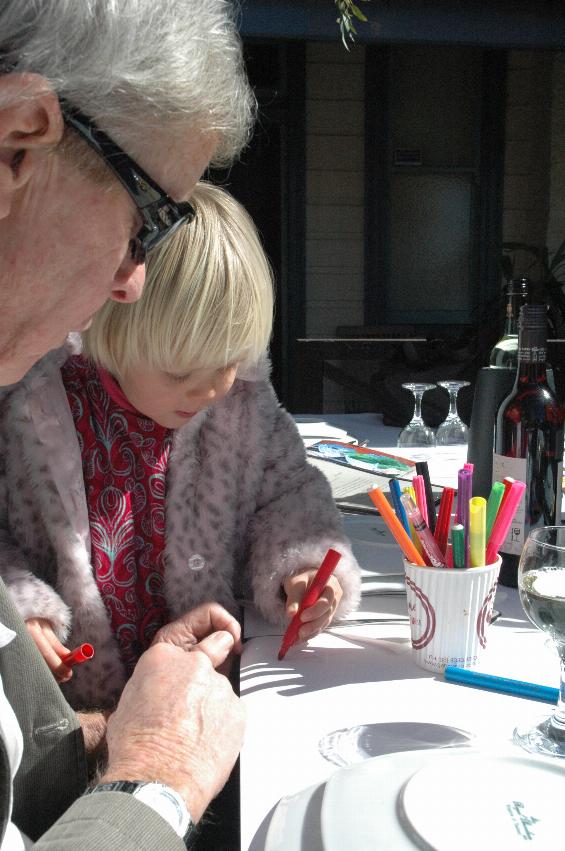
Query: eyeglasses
[161, 215]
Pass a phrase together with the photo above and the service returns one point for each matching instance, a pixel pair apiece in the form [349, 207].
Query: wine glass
[541, 583]
[452, 430]
[417, 433]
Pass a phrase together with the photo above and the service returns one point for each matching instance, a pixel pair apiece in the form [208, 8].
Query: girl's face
[171, 399]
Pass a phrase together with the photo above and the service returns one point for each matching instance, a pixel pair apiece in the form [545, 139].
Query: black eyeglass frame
[161, 215]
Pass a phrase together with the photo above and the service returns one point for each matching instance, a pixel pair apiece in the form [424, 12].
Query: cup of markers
[451, 568]
[449, 613]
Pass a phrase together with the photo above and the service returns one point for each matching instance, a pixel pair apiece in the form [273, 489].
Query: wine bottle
[528, 440]
[505, 352]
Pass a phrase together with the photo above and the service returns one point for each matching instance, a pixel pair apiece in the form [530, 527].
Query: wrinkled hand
[50, 647]
[316, 617]
[177, 722]
[204, 628]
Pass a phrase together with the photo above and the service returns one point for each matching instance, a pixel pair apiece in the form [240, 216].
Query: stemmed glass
[417, 433]
[541, 583]
[452, 430]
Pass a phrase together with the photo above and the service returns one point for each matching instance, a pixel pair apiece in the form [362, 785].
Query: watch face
[167, 803]
[164, 800]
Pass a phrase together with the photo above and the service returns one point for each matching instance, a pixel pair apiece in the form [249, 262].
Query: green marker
[493, 505]
[458, 545]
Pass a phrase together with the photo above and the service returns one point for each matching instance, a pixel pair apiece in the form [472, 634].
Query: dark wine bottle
[505, 352]
[528, 441]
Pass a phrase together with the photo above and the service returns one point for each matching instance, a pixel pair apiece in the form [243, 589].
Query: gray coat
[52, 773]
[244, 509]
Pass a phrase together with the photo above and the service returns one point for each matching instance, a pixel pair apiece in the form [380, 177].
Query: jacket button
[196, 562]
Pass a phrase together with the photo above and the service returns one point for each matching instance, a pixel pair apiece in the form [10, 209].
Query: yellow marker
[477, 530]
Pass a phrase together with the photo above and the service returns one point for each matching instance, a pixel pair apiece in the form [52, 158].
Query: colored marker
[423, 470]
[493, 504]
[464, 494]
[396, 528]
[458, 545]
[477, 530]
[82, 653]
[467, 677]
[420, 490]
[429, 544]
[441, 533]
[398, 507]
[503, 520]
[312, 594]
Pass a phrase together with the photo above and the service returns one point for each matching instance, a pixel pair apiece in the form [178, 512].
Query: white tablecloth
[360, 679]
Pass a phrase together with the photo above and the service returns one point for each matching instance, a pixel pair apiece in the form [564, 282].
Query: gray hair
[131, 63]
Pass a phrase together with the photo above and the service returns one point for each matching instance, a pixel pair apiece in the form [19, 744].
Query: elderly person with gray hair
[109, 112]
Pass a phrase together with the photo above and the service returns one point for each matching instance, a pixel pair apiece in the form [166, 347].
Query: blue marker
[399, 509]
[501, 684]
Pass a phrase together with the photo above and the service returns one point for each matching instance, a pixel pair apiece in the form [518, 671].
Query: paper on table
[312, 432]
[348, 484]
[443, 462]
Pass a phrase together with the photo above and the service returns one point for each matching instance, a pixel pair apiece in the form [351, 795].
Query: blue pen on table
[533, 691]
[397, 504]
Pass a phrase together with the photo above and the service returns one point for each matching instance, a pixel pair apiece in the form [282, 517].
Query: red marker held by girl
[312, 594]
[82, 653]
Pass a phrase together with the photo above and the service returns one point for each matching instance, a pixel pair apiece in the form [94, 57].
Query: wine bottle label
[516, 468]
[532, 354]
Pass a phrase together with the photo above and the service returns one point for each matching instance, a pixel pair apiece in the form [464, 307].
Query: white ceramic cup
[449, 611]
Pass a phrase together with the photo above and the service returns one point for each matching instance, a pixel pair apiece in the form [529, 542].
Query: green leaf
[358, 13]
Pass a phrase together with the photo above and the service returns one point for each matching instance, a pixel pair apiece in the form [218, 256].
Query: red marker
[312, 594]
[80, 654]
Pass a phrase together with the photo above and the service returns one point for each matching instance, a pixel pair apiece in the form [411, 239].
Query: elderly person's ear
[30, 120]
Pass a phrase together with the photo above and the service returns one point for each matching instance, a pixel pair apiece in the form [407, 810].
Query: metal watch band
[183, 825]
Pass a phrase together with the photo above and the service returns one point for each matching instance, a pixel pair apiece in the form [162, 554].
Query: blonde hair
[207, 300]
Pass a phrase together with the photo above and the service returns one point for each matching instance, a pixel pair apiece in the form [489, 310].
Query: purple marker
[465, 484]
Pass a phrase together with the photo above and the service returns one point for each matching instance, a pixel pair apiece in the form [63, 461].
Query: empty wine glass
[417, 433]
[541, 583]
[452, 430]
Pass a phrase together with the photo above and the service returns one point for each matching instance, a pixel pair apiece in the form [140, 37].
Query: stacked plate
[434, 800]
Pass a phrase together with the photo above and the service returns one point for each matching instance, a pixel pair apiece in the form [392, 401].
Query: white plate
[485, 802]
[295, 824]
[359, 806]
[452, 799]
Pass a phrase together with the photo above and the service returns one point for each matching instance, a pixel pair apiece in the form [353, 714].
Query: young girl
[156, 470]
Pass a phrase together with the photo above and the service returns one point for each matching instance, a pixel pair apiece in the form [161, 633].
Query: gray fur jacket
[244, 509]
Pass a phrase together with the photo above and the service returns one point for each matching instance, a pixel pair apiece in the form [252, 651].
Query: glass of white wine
[541, 583]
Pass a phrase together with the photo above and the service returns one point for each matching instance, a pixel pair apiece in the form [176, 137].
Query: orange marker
[381, 502]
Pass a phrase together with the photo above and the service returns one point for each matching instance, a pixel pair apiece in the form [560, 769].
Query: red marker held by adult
[82, 653]
[312, 594]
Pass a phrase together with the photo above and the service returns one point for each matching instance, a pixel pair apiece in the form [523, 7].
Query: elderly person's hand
[203, 628]
[179, 722]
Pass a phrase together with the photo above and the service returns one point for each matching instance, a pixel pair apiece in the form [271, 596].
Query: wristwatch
[164, 800]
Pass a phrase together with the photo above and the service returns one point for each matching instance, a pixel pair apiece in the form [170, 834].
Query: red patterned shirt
[124, 462]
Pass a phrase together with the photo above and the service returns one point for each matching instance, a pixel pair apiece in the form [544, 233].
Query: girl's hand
[316, 617]
[50, 647]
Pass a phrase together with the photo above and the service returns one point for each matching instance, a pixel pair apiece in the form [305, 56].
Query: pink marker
[427, 540]
[420, 491]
